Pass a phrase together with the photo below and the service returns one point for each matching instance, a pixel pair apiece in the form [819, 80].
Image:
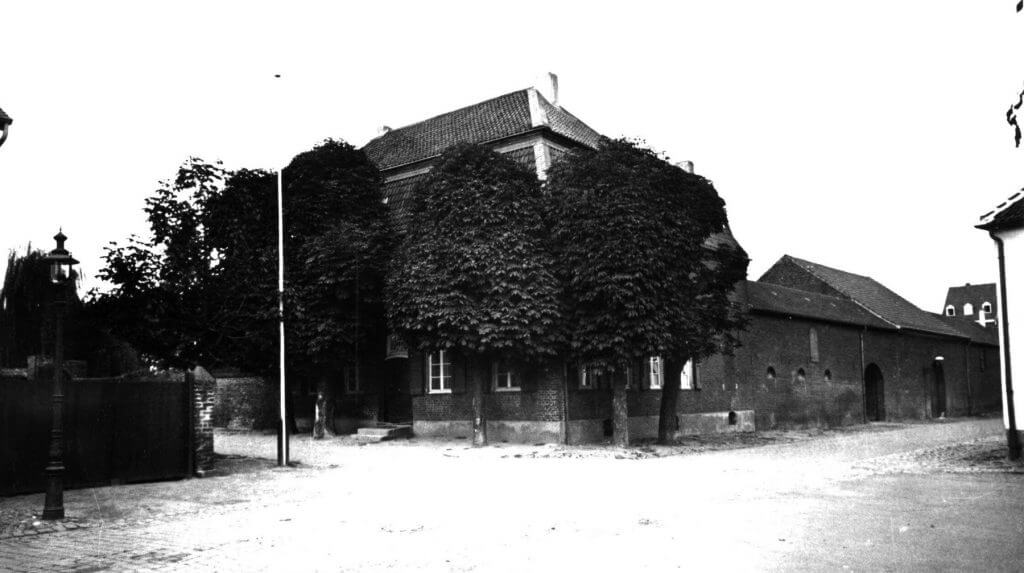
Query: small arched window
[968, 309]
[950, 310]
[801, 375]
[828, 375]
[986, 307]
[771, 373]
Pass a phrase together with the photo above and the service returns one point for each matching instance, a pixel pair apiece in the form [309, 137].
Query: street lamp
[61, 263]
[5, 123]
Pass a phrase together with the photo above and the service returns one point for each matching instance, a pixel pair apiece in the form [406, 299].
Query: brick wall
[538, 400]
[830, 392]
[204, 397]
[244, 403]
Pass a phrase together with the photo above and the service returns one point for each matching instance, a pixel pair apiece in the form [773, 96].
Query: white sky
[867, 136]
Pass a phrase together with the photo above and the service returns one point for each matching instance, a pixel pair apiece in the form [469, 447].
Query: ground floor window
[505, 377]
[439, 370]
[656, 372]
[688, 377]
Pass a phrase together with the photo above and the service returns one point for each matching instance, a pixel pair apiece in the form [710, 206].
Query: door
[874, 394]
[938, 390]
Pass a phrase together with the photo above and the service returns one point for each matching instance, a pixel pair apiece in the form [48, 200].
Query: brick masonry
[204, 399]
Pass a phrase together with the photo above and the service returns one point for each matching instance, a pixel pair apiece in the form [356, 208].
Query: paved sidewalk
[444, 506]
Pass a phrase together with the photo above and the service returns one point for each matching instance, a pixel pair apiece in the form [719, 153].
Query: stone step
[384, 433]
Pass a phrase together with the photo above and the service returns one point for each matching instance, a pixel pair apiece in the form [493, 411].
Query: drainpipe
[565, 403]
[967, 373]
[1012, 440]
[864, 394]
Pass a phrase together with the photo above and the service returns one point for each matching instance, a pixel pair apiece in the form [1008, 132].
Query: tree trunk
[323, 425]
[479, 419]
[667, 421]
[620, 411]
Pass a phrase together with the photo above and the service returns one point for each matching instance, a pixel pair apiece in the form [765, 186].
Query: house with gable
[823, 347]
[972, 302]
[905, 363]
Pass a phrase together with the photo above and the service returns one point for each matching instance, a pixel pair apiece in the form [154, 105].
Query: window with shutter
[814, 345]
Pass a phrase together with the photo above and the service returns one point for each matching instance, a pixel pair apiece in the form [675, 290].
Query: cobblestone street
[884, 497]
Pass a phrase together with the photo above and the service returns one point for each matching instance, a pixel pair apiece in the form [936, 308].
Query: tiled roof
[876, 298]
[777, 299]
[970, 329]
[1007, 215]
[502, 117]
[974, 294]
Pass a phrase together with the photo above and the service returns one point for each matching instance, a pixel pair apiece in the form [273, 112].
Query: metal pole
[54, 504]
[282, 439]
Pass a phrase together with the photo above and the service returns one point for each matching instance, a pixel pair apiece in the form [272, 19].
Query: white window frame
[986, 307]
[688, 376]
[505, 378]
[444, 377]
[656, 372]
[968, 309]
[950, 310]
[353, 382]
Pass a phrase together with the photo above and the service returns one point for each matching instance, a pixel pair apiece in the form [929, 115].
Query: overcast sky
[867, 136]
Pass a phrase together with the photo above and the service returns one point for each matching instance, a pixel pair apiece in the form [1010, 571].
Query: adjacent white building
[1005, 224]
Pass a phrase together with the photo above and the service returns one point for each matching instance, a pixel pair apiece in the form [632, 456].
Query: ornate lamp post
[60, 261]
[5, 123]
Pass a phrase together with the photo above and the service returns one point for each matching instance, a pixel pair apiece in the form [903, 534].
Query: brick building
[823, 347]
[972, 302]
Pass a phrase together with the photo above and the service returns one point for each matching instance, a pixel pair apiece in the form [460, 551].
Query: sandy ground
[886, 497]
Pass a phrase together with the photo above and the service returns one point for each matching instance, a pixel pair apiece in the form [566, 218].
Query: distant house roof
[970, 329]
[499, 118]
[974, 294]
[874, 297]
[776, 299]
[1007, 215]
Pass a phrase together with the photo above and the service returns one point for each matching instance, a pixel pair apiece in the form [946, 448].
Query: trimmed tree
[643, 275]
[473, 273]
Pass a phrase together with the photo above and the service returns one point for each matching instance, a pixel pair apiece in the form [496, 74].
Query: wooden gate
[116, 431]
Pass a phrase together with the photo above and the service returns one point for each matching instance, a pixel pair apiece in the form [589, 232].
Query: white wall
[1014, 256]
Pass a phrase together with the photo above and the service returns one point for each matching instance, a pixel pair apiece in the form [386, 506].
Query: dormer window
[986, 307]
[968, 309]
[950, 310]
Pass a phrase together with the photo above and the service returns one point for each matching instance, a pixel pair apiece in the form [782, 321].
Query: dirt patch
[984, 455]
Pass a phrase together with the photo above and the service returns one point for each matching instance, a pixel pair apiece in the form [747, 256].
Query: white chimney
[547, 85]
[383, 129]
[686, 166]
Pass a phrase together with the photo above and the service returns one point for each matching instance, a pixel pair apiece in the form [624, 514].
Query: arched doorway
[938, 389]
[874, 393]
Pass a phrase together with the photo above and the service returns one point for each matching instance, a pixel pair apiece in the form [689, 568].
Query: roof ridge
[440, 115]
[1009, 202]
[838, 288]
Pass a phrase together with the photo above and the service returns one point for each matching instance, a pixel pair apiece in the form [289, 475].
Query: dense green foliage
[24, 302]
[473, 271]
[631, 236]
[203, 288]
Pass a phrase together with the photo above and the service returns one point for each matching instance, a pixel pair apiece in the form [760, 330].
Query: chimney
[686, 166]
[383, 129]
[547, 85]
